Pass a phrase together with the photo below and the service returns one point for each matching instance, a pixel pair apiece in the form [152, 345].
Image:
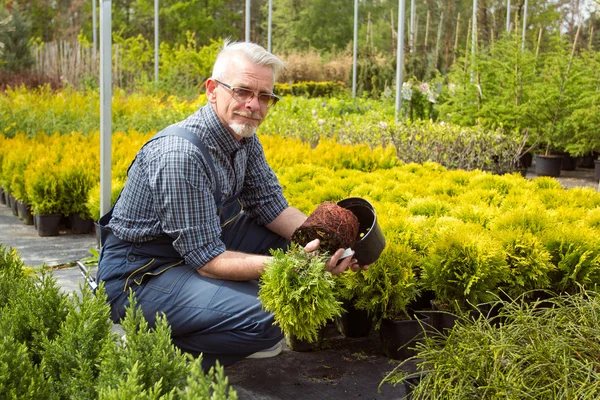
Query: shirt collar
[217, 133]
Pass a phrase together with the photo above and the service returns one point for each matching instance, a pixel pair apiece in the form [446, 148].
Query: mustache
[248, 114]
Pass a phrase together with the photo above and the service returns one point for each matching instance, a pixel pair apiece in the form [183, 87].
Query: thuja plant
[386, 289]
[464, 267]
[528, 262]
[299, 291]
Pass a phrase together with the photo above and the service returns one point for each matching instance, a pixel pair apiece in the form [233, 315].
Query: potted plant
[299, 291]
[78, 180]
[553, 97]
[44, 187]
[385, 291]
[465, 267]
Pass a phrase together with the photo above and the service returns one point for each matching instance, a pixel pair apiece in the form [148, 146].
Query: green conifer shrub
[298, 290]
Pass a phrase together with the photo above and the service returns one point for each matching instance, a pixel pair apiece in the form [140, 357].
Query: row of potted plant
[49, 177]
[461, 237]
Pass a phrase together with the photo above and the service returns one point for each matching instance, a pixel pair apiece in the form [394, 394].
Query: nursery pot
[13, 205]
[587, 161]
[48, 224]
[549, 165]
[398, 336]
[442, 319]
[525, 160]
[370, 242]
[303, 345]
[24, 211]
[353, 323]
[81, 225]
[2, 196]
[597, 170]
[569, 163]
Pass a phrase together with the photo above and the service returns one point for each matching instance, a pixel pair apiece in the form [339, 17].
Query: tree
[15, 53]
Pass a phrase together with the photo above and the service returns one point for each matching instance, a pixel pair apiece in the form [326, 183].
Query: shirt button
[131, 258]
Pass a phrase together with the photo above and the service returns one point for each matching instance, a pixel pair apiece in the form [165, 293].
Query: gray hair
[252, 51]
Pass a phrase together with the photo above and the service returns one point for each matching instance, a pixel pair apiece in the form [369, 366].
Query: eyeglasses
[245, 95]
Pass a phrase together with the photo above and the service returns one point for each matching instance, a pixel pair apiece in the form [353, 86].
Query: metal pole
[156, 41]
[524, 25]
[400, 57]
[474, 30]
[355, 48]
[105, 105]
[507, 16]
[94, 27]
[411, 43]
[247, 20]
[269, 30]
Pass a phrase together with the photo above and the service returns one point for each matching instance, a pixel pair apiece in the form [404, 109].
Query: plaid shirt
[170, 189]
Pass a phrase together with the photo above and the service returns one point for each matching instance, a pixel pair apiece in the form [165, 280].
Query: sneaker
[270, 352]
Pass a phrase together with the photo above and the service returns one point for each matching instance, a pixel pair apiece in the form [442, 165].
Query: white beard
[243, 130]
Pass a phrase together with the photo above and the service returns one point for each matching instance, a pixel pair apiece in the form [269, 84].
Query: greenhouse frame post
[507, 16]
[105, 106]
[355, 49]
[248, 6]
[156, 41]
[524, 26]
[400, 57]
[94, 27]
[270, 28]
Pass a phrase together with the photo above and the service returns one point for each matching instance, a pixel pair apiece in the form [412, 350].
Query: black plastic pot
[569, 163]
[398, 337]
[525, 160]
[370, 241]
[48, 224]
[597, 170]
[587, 161]
[303, 345]
[13, 205]
[24, 211]
[353, 323]
[81, 225]
[549, 165]
[2, 196]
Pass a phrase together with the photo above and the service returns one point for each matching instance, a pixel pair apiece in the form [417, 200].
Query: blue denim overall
[222, 320]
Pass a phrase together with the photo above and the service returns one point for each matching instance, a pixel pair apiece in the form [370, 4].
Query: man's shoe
[270, 352]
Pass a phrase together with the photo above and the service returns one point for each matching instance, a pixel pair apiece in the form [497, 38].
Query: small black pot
[81, 225]
[353, 323]
[370, 242]
[303, 345]
[2, 196]
[399, 336]
[48, 224]
[24, 211]
[13, 206]
[597, 170]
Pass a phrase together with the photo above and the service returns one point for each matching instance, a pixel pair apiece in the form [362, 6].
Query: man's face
[240, 118]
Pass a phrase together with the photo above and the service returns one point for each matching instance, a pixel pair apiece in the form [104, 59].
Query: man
[178, 236]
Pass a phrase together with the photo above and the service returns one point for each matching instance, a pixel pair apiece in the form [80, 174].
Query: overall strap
[173, 130]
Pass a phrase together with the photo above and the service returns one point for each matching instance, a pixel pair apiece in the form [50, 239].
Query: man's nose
[253, 103]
